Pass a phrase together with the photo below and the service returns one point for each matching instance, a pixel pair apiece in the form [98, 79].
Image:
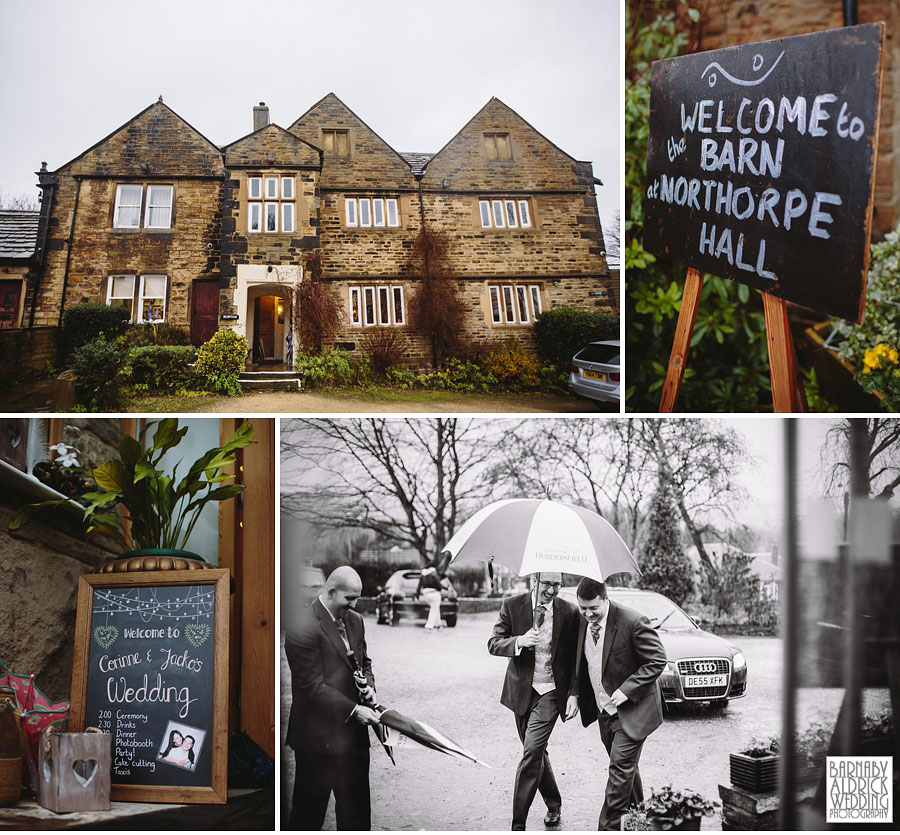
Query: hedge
[83, 323]
[562, 332]
[159, 367]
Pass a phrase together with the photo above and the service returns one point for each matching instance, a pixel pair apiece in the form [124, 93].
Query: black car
[396, 601]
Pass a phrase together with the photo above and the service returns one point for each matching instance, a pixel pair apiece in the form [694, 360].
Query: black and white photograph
[696, 590]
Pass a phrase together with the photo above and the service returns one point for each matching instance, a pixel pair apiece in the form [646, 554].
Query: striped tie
[595, 630]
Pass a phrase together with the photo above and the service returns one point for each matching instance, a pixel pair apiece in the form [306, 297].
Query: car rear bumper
[605, 393]
[418, 610]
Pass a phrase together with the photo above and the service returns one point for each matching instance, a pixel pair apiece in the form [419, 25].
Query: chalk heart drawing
[197, 633]
[106, 636]
[758, 62]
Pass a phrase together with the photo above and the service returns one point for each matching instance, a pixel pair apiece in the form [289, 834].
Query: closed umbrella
[531, 535]
[425, 735]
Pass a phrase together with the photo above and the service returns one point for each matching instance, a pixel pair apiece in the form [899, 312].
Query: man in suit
[537, 631]
[328, 725]
[620, 657]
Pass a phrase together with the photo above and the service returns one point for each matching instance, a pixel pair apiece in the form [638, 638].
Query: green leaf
[112, 476]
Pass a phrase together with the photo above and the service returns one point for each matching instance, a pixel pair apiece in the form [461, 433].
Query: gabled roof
[293, 136]
[492, 102]
[328, 96]
[158, 104]
[18, 233]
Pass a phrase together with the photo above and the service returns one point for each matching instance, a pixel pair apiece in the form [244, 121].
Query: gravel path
[318, 402]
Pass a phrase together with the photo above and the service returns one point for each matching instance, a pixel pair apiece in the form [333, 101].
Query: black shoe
[552, 818]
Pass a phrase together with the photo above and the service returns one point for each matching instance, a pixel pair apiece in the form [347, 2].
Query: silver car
[595, 372]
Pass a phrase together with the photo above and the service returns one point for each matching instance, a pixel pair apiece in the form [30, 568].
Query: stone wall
[40, 565]
[730, 22]
[26, 352]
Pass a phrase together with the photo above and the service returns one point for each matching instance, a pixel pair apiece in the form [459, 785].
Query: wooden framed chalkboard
[761, 164]
[151, 669]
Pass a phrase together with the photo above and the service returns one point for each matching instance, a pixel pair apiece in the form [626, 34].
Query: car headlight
[739, 662]
[671, 668]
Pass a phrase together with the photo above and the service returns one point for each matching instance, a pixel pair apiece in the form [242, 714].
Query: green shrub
[83, 323]
[159, 367]
[221, 361]
[458, 375]
[329, 368]
[98, 366]
[562, 332]
[152, 334]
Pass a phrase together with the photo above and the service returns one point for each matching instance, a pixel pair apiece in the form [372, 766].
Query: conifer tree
[664, 565]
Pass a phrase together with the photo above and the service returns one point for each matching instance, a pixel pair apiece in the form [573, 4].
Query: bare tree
[603, 465]
[881, 459]
[406, 480]
[700, 459]
[24, 201]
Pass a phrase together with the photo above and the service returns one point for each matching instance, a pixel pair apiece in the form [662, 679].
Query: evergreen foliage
[664, 565]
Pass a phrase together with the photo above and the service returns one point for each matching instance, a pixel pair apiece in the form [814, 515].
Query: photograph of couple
[180, 747]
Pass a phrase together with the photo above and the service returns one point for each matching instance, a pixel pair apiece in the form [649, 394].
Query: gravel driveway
[449, 680]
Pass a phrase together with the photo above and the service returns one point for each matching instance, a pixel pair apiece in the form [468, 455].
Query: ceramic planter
[155, 559]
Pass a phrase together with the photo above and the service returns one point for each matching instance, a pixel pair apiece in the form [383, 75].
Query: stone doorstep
[290, 384]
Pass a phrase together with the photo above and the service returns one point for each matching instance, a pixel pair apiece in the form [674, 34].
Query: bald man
[328, 725]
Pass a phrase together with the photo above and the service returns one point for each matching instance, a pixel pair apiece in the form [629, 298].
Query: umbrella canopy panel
[532, 535]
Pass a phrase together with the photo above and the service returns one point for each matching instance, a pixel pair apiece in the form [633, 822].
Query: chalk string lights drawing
[758, 62]
[144, 603]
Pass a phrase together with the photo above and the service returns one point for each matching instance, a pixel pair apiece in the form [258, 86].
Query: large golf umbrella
[531, 535]
[424, 735]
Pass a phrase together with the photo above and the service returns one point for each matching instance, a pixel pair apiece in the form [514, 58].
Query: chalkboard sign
[761, 164]
[151, 669]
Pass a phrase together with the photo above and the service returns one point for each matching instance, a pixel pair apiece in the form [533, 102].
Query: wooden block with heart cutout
[74, 772]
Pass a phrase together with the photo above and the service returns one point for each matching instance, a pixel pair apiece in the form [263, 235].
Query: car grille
[705, 666]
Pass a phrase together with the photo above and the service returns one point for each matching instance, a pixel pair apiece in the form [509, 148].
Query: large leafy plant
[162, 509]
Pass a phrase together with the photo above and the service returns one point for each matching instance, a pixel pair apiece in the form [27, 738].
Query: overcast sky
[414, 71]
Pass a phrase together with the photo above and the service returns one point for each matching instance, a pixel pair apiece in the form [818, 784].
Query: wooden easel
[787, 387]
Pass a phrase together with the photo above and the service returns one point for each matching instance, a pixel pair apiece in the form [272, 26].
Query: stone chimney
[260, 116]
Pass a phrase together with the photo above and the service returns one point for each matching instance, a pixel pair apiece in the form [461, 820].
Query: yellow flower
[871, 360]
[893, 356]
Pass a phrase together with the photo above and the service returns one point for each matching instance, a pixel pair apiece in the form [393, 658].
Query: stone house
[158, 219]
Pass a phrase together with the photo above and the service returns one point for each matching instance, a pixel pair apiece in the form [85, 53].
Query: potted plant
[878, 734]
[756, 767]
[161, 508]
[669, 809]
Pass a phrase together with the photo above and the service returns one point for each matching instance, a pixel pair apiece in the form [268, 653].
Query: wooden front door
[204, 310]
[10, 296]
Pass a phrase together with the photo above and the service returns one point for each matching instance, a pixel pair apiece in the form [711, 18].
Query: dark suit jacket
[516, 618]
[633, 660]
[324, 693]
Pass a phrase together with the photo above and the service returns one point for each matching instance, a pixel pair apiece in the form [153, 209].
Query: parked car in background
[595, 372]
[396, 600]
[701, 667]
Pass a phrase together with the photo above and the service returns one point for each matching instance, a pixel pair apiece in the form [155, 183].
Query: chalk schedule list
[760, 164]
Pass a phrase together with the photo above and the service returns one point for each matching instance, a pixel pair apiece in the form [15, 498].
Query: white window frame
[350, 217]
[509, 303]
[367, 292]
[377, 211]
[393, 214]
[511, 221]
[271, 188]
[524, 214]
[399, 304]
[266, 217]
[131, 206]
[522, 303]
[287, 223]
[356, 320]
[254, 217]
[383, 293]
[109, 291]
[537, 306]
[498, 214]
[287, 188]
[142, 296]
[365, 212]
[496, 312]
[484, 207]
[170, 190]
[254, 188]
